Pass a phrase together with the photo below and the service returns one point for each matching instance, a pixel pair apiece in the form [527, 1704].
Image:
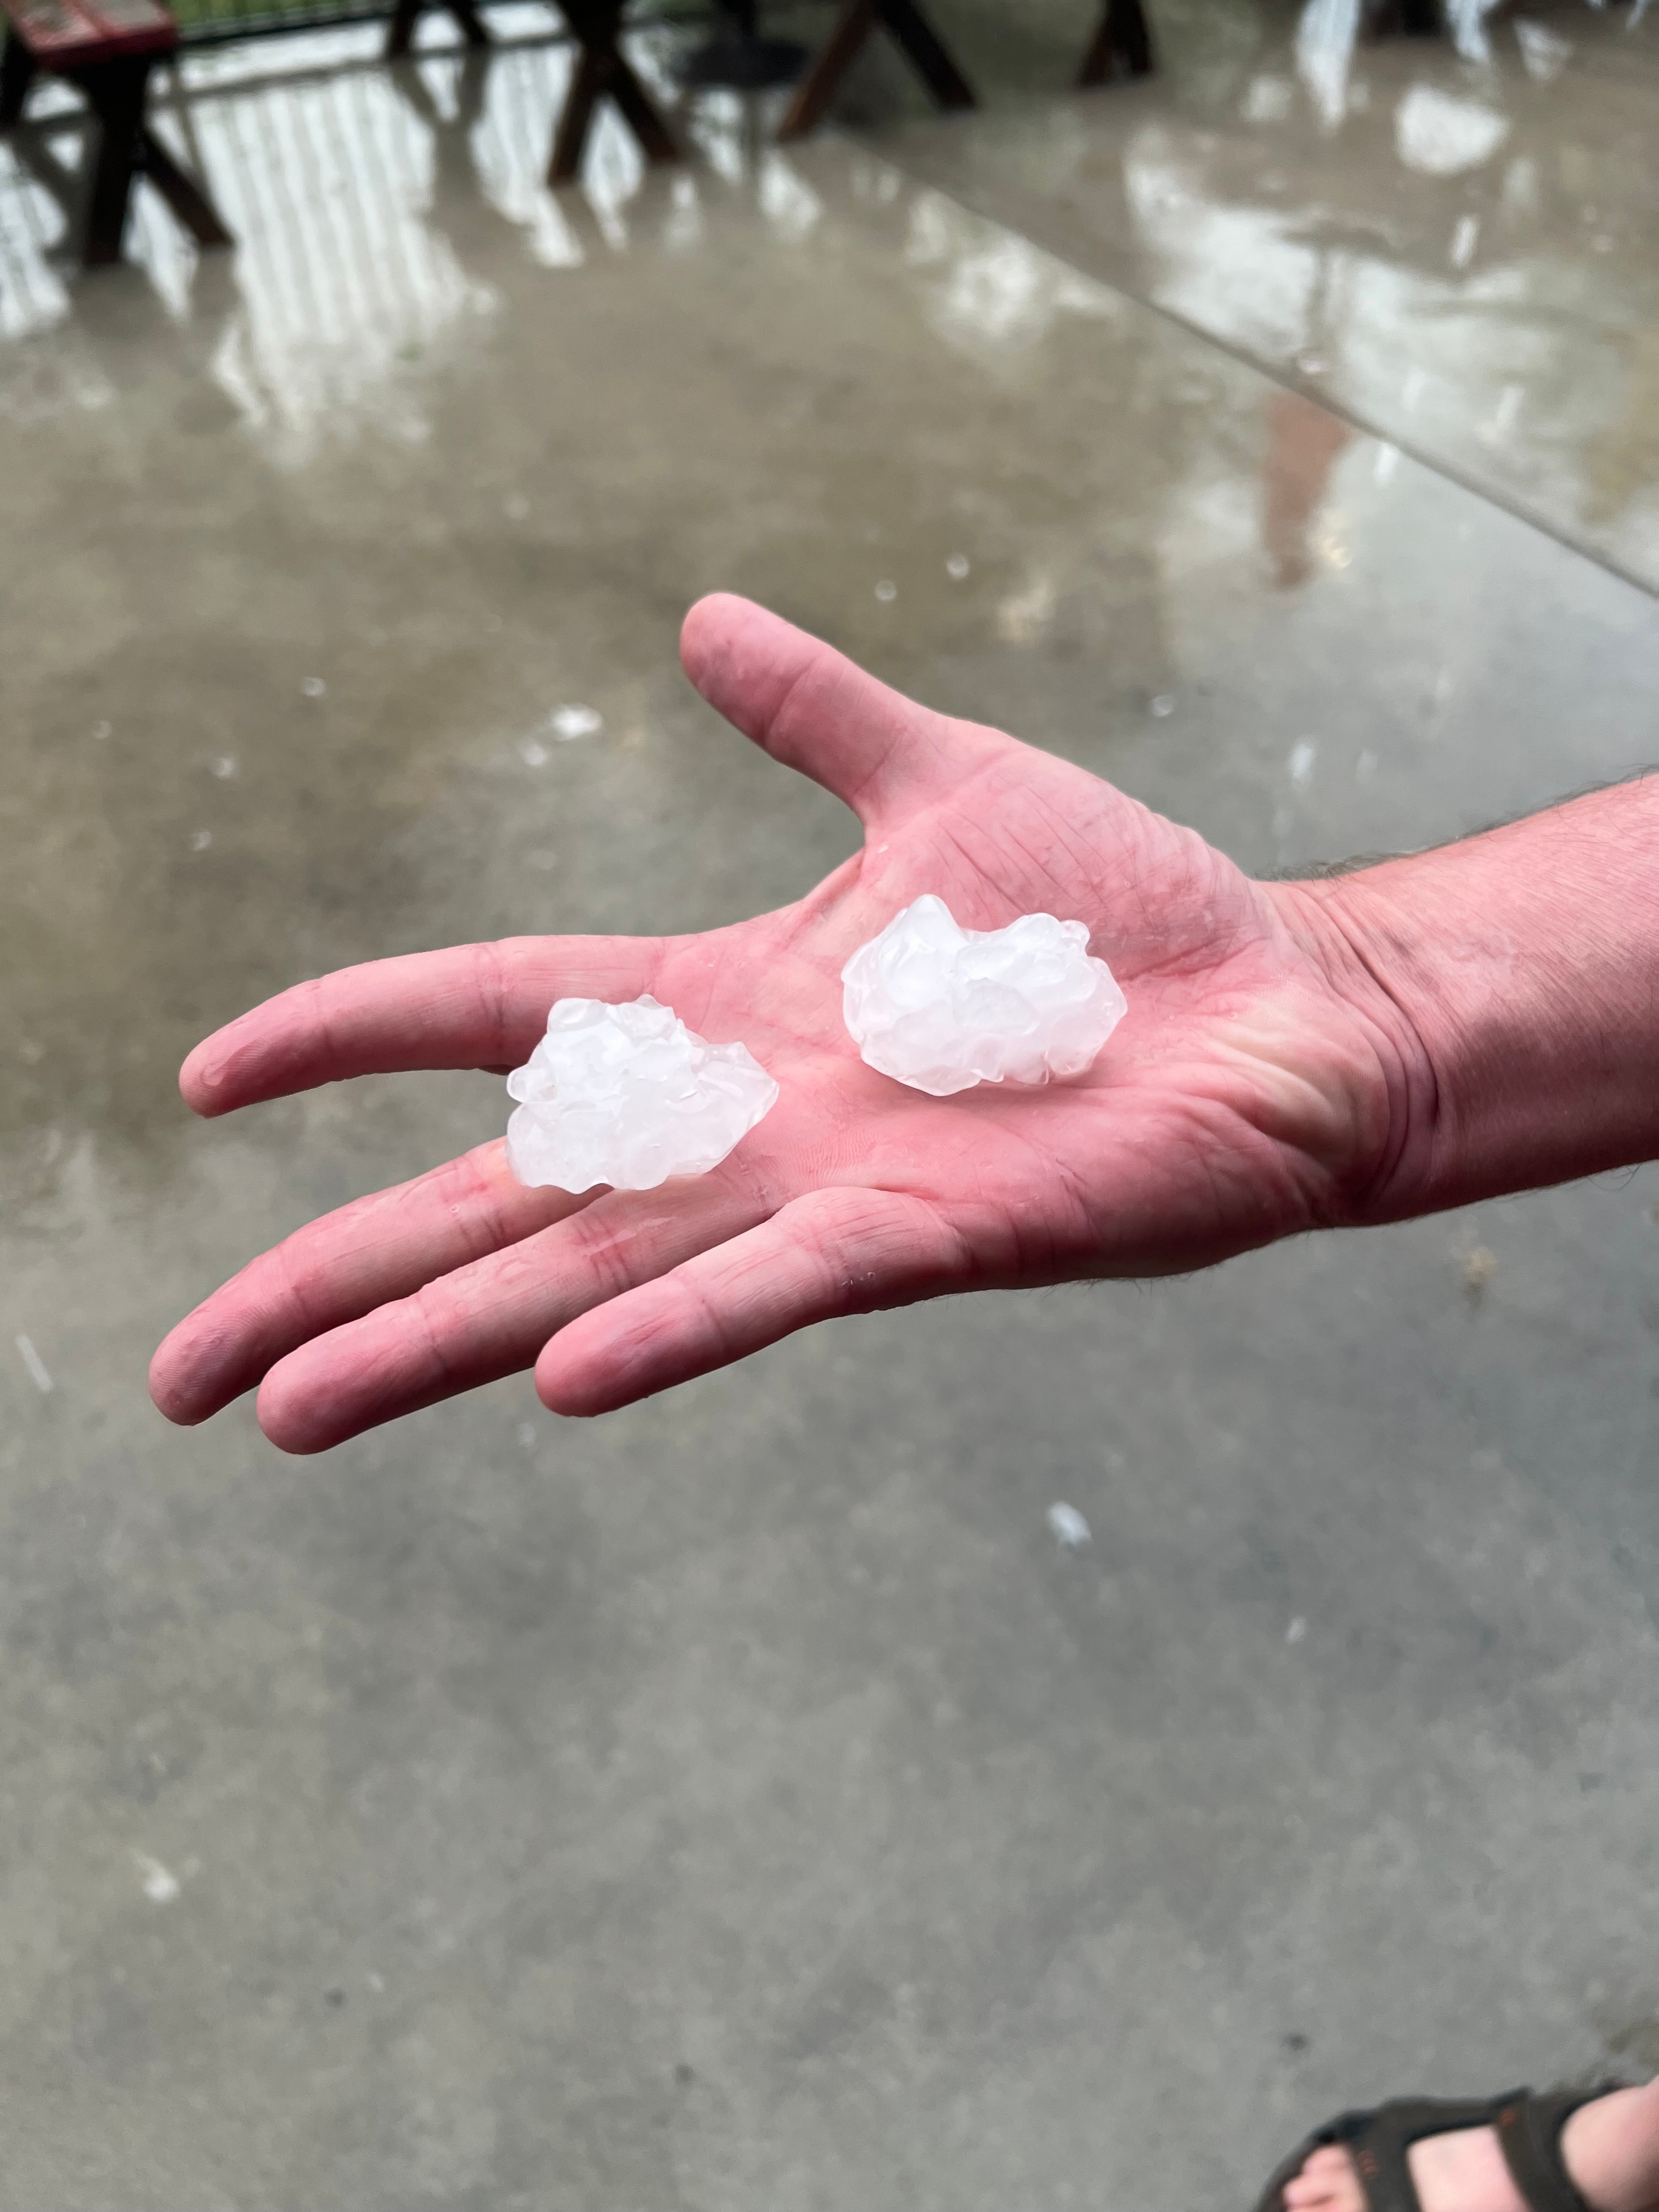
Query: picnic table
[106, 49]
[1122, 41]
[1121, 44]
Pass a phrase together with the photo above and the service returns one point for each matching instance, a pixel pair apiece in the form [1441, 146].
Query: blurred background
[745, 1803]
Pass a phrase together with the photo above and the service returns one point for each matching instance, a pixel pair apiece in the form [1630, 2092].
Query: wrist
[1516, 977]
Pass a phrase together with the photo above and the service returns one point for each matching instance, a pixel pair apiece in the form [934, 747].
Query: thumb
[815, 710]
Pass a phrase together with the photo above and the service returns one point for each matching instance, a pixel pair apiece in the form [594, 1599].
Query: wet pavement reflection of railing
[357, 194]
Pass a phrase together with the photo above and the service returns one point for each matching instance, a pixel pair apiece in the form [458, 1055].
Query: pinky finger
[839, 1251]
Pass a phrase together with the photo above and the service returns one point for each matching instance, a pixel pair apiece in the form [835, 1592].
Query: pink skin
[1264, 1082]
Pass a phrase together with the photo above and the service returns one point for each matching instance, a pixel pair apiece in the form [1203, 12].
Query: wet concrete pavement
[742, 1802]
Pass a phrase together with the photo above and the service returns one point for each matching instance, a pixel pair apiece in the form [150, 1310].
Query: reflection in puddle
[359, 198]
[1304, 441]
[1441, 134]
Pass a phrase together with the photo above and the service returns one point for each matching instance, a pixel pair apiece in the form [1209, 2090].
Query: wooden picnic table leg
[911, 30]
[182, 193]
[818, 88]
[16, 75]
[400, 31]
[471, 23]
[576, 118]
[115, 92]
[640, 112]
[602, 70]
[1123, 36]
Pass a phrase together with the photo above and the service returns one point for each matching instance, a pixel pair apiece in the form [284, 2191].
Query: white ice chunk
[1071, 1531]
[942, 1008]
[628, 1095]
[160, 1883]
[39, 1374]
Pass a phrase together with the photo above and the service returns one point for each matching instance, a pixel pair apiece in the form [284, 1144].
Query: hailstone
[628, 1095]
[942, 1008]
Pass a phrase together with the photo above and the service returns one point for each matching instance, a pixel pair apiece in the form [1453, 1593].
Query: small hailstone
[628, 1095]
[1071, 1531]
[161, 1884]
[313, 687]
[887, 591]
[569, 722]
[941, 1008]
[957, 567]
[39, 1374]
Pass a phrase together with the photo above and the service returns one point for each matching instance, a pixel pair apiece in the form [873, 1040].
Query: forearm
[1518, 973]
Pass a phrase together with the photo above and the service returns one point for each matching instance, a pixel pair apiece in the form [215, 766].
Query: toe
[1326, 2183]
[1308, 2192]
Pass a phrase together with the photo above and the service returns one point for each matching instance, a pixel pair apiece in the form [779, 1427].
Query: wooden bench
[1122, 42]
[107, 48]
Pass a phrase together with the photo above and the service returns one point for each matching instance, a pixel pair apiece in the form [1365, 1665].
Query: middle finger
[342, 1266]
[492, 1317]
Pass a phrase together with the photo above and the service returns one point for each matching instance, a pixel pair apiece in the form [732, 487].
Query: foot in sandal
[1561, 2152]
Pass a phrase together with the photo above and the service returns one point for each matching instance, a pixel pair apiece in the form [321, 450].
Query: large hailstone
[628, 1095]
[943, 1008]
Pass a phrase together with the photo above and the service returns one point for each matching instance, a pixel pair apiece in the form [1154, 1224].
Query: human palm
[1246, 1095]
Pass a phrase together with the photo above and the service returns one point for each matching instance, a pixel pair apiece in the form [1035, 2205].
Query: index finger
[470, 1005]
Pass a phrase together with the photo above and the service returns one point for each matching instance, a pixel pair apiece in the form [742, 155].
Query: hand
[1252, 1091]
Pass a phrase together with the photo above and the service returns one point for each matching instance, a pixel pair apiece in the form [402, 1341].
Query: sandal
[1529, 2128]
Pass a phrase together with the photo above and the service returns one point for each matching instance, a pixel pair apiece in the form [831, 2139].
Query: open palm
[1248, 1093]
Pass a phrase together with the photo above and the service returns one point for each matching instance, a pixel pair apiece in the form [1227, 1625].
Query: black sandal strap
[1527, 2128]
[1377, 2142]
[1529, 2131]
